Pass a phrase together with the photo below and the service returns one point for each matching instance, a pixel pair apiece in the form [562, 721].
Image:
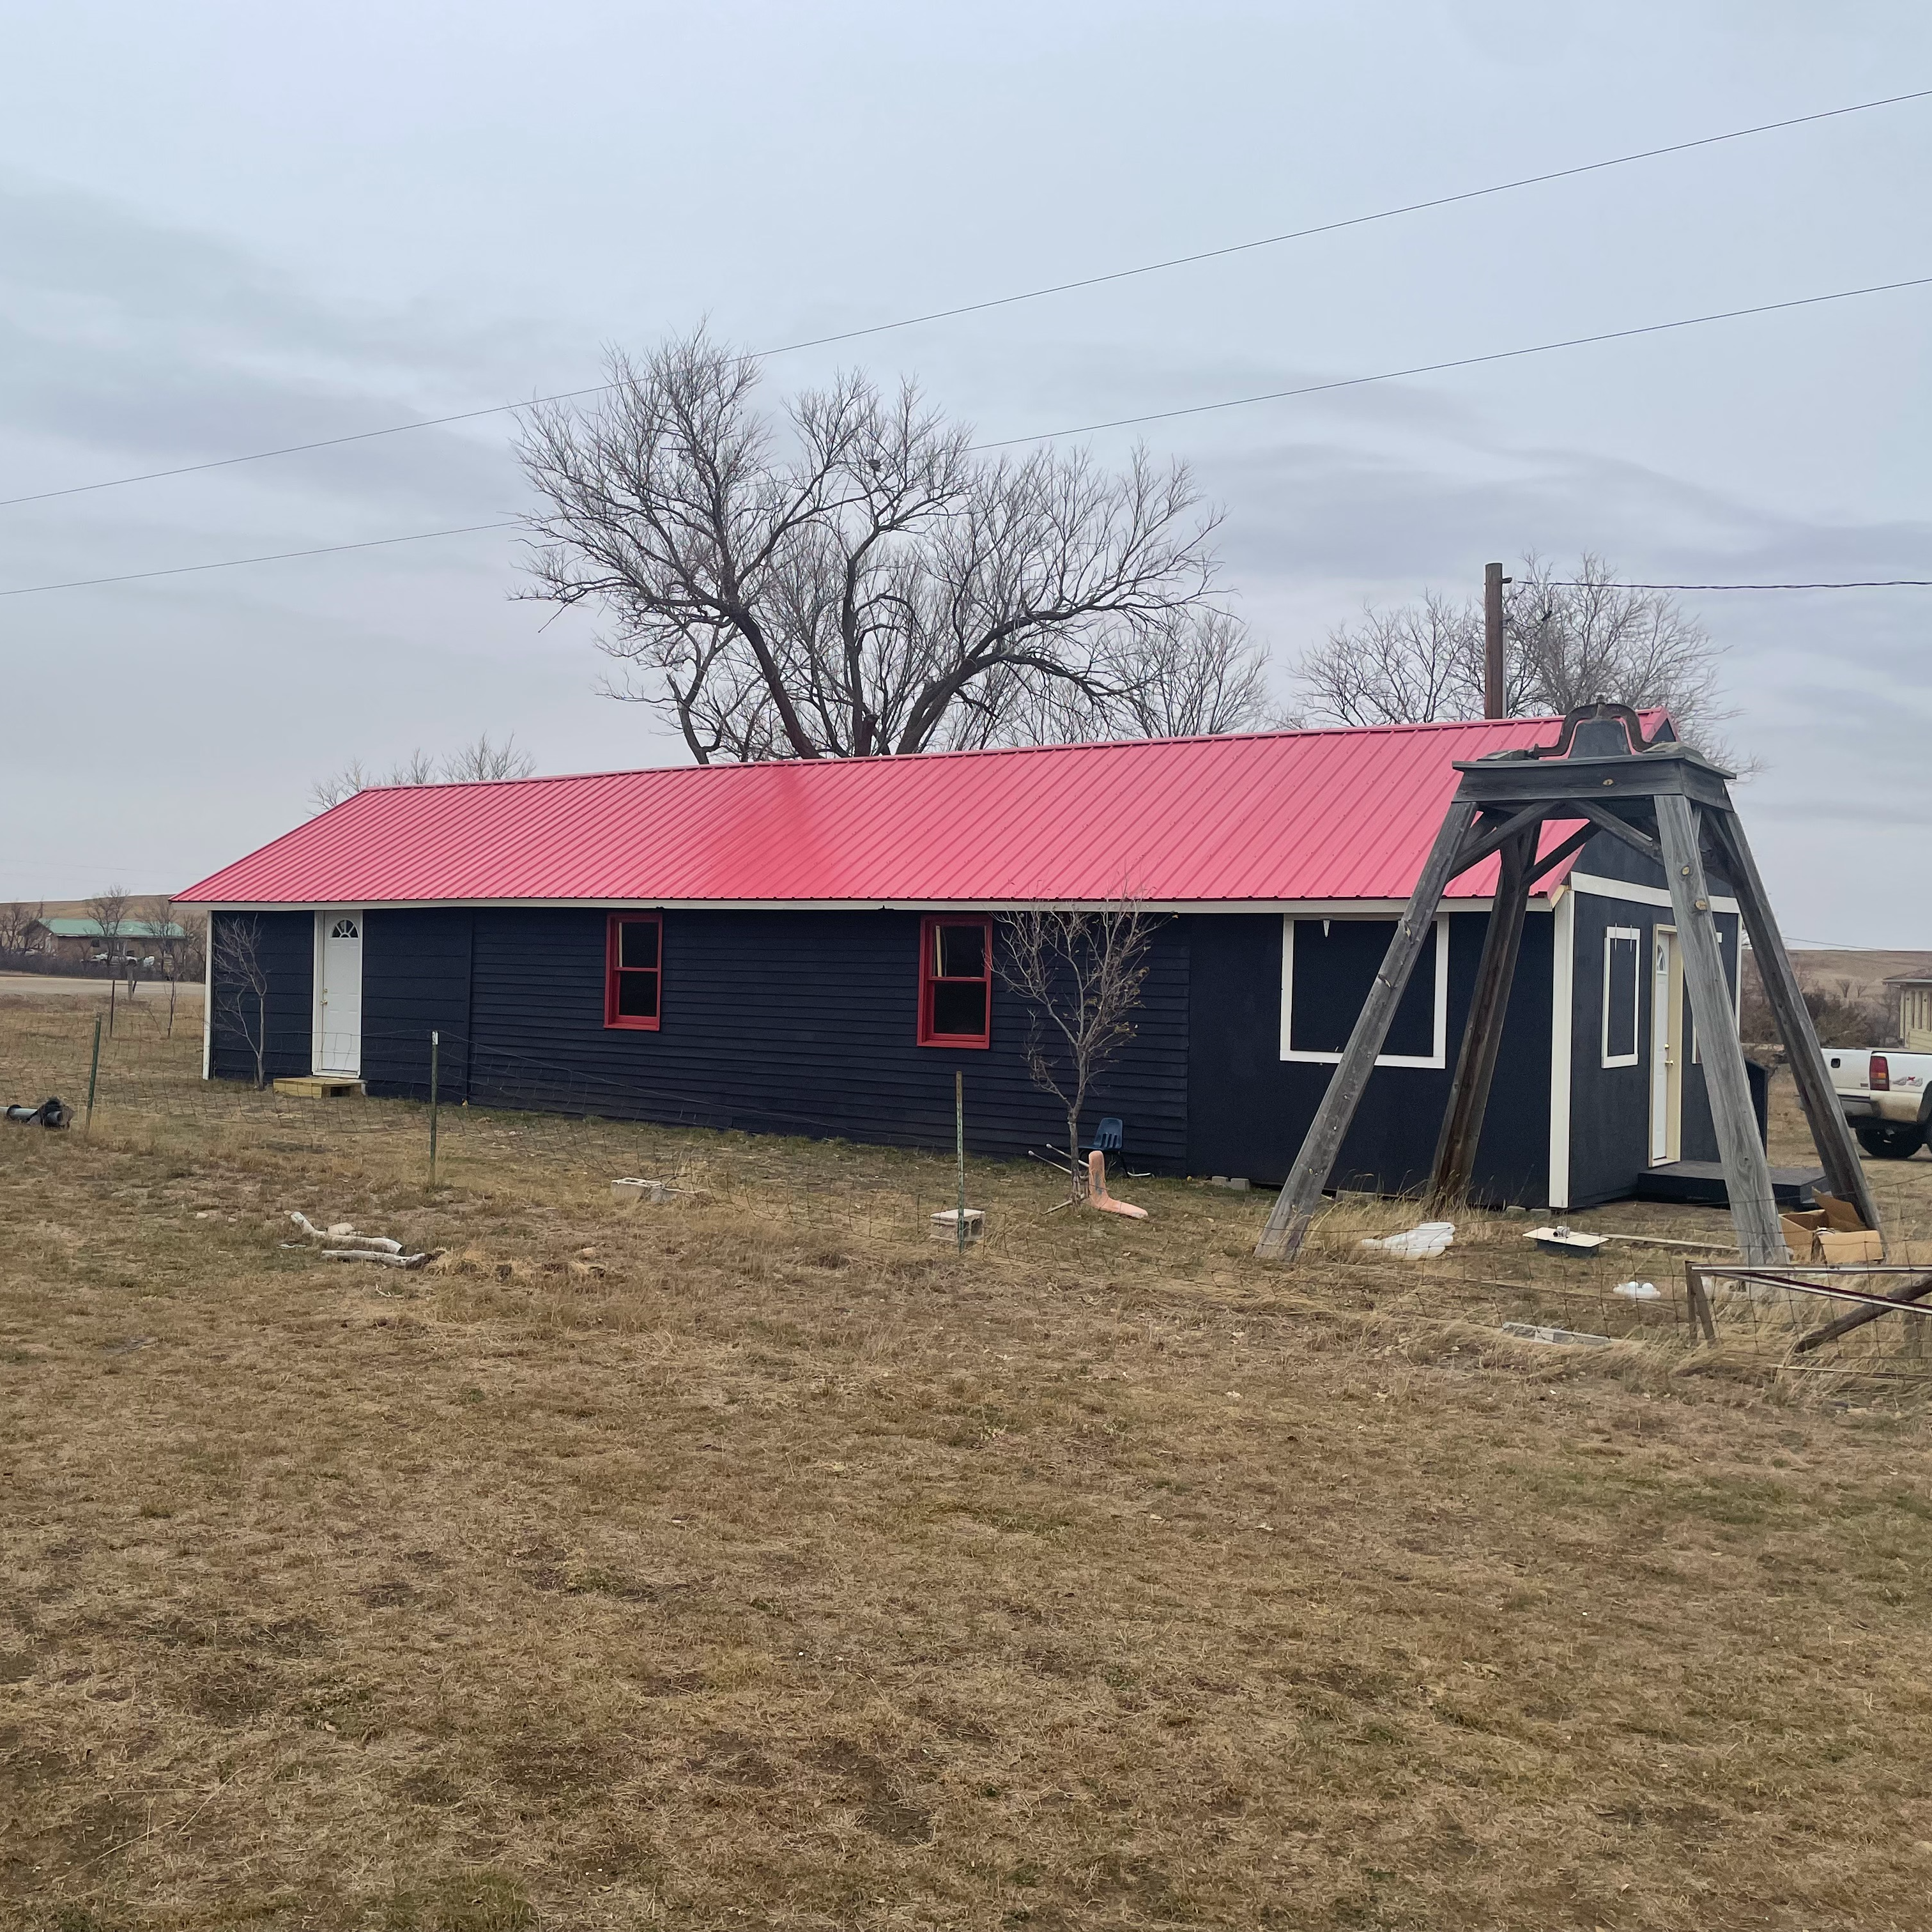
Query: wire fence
[455, 1112]
[447, 1111]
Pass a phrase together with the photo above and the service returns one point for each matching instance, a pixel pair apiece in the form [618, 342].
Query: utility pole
[1496, 697]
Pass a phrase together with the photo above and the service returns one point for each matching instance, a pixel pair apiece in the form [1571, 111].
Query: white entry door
[1667, 1047]
[338, 1013]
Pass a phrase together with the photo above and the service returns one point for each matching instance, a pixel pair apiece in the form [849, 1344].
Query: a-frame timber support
[1669, 803]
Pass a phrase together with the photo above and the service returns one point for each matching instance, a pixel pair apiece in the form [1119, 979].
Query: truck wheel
[1892, 1143]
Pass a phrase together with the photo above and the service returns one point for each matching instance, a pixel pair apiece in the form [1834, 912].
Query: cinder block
[945, 1227]
[634, 1190]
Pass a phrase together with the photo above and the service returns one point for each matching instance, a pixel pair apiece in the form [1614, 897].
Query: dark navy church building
[812, 948]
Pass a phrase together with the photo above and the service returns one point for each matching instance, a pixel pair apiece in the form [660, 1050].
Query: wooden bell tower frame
[1669, 803]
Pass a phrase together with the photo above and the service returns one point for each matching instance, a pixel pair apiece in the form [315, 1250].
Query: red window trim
[929, 979]
[630, 1022]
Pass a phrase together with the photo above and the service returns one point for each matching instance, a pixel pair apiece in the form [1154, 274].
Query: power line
[1008, 301]
[1162, 415]
[235, 563]
[1462, 362]
[1848, 583]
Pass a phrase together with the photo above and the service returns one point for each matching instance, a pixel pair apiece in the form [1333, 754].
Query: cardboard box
[1837, 1249]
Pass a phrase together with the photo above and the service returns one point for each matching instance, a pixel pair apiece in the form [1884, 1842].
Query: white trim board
[1632, 936]
[1438, 1057]
[1622, 888]
[1562, 1020]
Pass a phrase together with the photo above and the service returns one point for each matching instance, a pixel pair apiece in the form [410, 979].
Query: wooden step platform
[1700, 1184]
[320, 1087]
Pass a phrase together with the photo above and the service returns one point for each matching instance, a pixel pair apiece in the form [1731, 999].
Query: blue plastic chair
[1109, 1137]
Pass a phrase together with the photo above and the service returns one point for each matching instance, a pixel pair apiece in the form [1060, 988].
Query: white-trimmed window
[1328, 966]
[1623, 954]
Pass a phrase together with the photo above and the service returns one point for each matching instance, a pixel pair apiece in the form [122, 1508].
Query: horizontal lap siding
[286, 948]
[1250, 1108]
[416, 980]
[794, 1023]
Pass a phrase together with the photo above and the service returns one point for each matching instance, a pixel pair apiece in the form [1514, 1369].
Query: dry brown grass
[751, 1561]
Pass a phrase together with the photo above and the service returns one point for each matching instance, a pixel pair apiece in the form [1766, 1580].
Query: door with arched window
[338, 992]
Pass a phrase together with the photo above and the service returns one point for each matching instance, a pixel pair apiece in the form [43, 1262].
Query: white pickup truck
[1886, 1096]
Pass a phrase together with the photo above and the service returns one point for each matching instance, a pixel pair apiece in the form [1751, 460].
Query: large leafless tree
[20, 924]
[1569, 638]
[241, 973]
[848, 578]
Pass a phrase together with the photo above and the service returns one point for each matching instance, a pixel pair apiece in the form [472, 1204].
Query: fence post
[435, 1055]
[113, 987]
[959, 1148]
[93, 1074]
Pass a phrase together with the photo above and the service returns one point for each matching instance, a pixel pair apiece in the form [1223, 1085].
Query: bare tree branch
[242, 985]
[481, 763]
[1567, 641]
[1080, 974]
[852, 581]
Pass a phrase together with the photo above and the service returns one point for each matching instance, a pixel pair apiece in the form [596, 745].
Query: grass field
[751, 1562]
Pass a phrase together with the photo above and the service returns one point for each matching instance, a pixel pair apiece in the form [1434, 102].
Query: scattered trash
[631, 1188]
[1097, 1195]
[1418, 1243]
[1638, 1290]
[945, 1227]
[1533, 1331]
[51, 1112]
[1563, 1241]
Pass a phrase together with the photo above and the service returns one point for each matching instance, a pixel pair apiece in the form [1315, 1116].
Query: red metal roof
[1262, 817]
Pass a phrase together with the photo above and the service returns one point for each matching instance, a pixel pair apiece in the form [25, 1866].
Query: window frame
[1438, 1057]
[929, 926]
[613, 943]
[1636, 936]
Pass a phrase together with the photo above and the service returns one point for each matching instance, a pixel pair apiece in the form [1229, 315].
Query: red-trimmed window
[955, 981]
[634, 971]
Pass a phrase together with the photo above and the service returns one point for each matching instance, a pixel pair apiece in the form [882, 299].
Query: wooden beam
[1914, 1292]
[1301, 1193]
[1830, 1133]
[1699, 1297]
[1482, 1036]
[1608, 821]
[1483, 843]
[1747, 1171]
[1555, 856]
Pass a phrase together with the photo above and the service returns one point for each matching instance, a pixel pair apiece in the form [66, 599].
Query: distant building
[83, 939]
[1911, 999]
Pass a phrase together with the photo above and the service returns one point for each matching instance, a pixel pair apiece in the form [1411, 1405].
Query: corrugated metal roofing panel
[1261, 816]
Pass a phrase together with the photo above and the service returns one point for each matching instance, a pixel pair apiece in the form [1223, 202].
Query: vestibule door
[338, 1016]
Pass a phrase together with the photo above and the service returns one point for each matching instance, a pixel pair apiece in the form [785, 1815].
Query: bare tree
[851, 579]
[1410, 665]
[1080, 974]
[1198, 676]
[109, 912]
[1567, 641]
[481, 763]
[19, 923]
[241, 986]
[158, 922]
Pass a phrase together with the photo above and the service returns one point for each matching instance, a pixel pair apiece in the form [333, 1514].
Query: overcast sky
[225, 227]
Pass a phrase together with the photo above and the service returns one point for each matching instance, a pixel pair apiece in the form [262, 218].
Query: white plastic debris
[398, 1260]
[1638, 1290]
[1418, 1243]
[1537, 1331]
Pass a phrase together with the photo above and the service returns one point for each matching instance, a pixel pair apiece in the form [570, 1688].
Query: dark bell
[1601, 738]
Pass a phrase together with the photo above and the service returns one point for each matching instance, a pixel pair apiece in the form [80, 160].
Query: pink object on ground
[1097, 1195]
